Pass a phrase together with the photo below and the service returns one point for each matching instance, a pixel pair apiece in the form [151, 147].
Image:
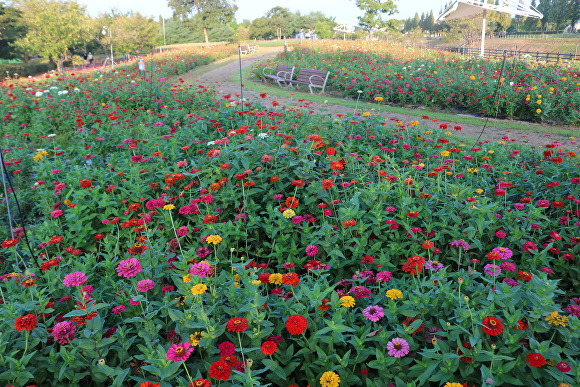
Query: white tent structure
[345, 29]
[463, 8]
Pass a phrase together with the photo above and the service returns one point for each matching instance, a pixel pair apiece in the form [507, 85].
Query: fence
[491, 52]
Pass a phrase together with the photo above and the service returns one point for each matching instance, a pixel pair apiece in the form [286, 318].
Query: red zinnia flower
[149, 384]
[269, 348]
[292, 202]
[428, 244]
[201, 382]
[27, 322]
[290, 279]
[492, 326]
[237, 324]
[414, 264]
[327, 183]
[296, 324]
[10, 242]
[524, 275]
[220, 370]
[534, 359]
[85, 183]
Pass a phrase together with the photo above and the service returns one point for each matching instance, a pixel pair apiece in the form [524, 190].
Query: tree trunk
[206, 37]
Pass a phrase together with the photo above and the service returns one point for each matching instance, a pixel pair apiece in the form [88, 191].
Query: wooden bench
[282, 74]
[312, 78]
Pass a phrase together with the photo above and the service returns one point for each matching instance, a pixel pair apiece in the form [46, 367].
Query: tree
[129, 32]
[178, 31]
[373, 9]
[207, 12]
[53, 28]
[11, 28]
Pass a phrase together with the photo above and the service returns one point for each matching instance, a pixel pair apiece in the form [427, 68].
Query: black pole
[241, 82]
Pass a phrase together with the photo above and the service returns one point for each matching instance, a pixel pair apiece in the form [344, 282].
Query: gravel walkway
[220, 79]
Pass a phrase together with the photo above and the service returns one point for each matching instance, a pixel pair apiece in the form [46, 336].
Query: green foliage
[52, 28]
[23, 69]
[373, 10]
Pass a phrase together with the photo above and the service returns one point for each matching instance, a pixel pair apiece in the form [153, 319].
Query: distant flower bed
[170, 236]
[389, 73]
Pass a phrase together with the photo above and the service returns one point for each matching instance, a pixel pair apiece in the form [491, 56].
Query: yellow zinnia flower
[557, 319]
[289, 213]
[168, 207]
[186, 278]
[330, 379]
[215, 239]
[449, 384]
[393, 294]
[275, 279]
[347, 301]
[198, 289]
[195, 338]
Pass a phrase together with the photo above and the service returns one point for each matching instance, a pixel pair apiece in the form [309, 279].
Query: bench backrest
[320, 79]
[286, 69]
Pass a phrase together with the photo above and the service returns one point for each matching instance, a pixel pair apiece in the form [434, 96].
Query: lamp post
[110, 31]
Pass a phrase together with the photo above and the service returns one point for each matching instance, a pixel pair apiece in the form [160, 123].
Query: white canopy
[463, 8]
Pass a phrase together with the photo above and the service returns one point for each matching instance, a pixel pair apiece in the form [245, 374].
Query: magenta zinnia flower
[311, 250]
[201, 269]
[398, 347]
[64, 332]
[504, 252]
[129, 268]
[373, 313]
[145, 285]
[77, 278]
[179, 352]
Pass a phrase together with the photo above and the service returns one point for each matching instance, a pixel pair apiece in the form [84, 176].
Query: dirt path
[219, 78]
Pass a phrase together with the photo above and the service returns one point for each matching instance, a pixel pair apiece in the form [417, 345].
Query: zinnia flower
[557, 319]
[145, 285]
[129, 268]
[535, 359]
[492, 326]
[27, 322]
[74, 279]
[198, 289]
[220, 370]
[398, 347]
[237, 324]
[63, 332]
[179, 352]
[296, 324]
[215, 239]
[269, 347]
[393, 294]
[373, 313]
[329, 379]
[311, 250]
[347, 301]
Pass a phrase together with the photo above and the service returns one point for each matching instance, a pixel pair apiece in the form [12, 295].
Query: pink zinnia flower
[398, 347]
[504, 252]
[119, 309]
[492, 270]
[311, 250]
[373, 313]
[145, 285]
[201, 269]
[74, 279]
[182, 231]
[129, 268]
[63, 332]
[56, 213]
[179, 352]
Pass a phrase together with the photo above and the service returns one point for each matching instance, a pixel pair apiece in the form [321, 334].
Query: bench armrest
[284, 75]
[268, 68]
[317, 76]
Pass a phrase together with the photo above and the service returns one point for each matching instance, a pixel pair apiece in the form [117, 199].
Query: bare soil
[220, 79]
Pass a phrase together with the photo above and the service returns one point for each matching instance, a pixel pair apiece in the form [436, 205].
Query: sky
[344, 11]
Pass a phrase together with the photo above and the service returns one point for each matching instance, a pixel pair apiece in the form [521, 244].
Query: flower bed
[180, 238]
[389, 73]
